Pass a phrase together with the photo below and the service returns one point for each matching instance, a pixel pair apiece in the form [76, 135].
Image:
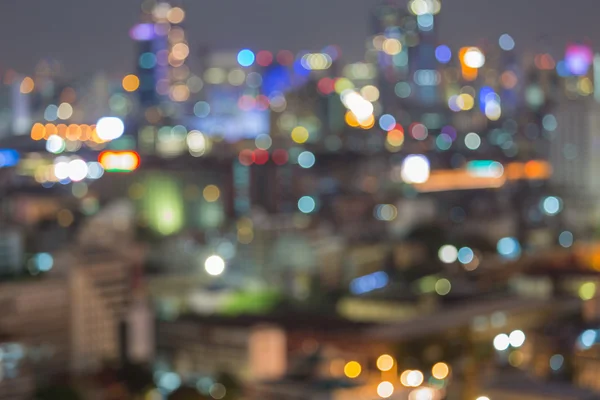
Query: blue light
[562, 70]
[565, 239]
[44, 262]
[551, 205]
[51, 113]
[588, 338]
[306, 159]
[368, 283]
[465, 255]
[425, 22]
[556, 362]
[246, 58]
[307, 204]
[387, 122]
[506, 42]
[201, 109]
[509, 248]
[169, 381]
[483, 97]
[147, 60]
[9, 158]
[443, 54]
[549, 122]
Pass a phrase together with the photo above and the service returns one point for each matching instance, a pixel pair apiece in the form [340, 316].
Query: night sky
[92, 35]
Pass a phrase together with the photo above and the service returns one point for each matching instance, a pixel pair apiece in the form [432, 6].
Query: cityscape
[418, 223]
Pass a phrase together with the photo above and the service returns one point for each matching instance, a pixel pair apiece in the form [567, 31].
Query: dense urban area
[277, 225]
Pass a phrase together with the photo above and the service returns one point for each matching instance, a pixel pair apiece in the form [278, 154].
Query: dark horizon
[31, 30]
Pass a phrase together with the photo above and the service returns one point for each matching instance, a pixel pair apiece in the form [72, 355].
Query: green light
[163, 205]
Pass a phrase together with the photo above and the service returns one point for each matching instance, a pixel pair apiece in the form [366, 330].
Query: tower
[163, 75]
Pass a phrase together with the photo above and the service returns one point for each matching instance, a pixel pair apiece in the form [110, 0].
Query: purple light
[142, 32]
[578, 59]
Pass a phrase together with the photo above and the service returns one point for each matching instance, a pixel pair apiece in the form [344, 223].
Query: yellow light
[180, 93]
[175, 15]
[465, 101]
[27, 85]
[368, 123]
[65, 218]
[587, 291]
[515, 358]
[351, 119]
[131, 83]
[585, 86]
[180, 51]
[352, 369]
[385, 362]
[385, 389]
[119, 161]
[211, 193]
[404, 377]
[392, 46]
[342, 84]
[440, 370]
[395, 138]
[300, 134]
[370, 93]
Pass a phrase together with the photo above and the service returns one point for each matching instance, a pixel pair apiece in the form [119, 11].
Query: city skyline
[102, 44]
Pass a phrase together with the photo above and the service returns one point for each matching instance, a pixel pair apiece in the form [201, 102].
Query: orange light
[468, 73]
[448, 180]
[38, 131]
[538, 170]
[27, 85]
[368, 123]
[131, 83]
[351, 119]
[62, 130]
[73, 132]
[119, 161]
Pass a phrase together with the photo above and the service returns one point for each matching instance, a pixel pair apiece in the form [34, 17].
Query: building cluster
[268, 224]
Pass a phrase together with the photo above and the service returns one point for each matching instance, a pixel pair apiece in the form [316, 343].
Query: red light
[262, 102]
[280, 157]
[261, 156]
[119, 161]
[264, 58]
[246, 102]
[285, 57]
[246, 157]
[326, 86]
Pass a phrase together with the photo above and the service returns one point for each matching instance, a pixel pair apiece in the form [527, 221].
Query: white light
[196, 142]
[110, 128]
[95, 170]
[517, 338]
[214, 265]
[474, 58]
[78, 170]
[385, 389]
[422, 394]
[61, 170]
[483, 398]
[501, 342]
[414, 378]
[361, 108]
[448, 254]
[415, 169]
[55, 144]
